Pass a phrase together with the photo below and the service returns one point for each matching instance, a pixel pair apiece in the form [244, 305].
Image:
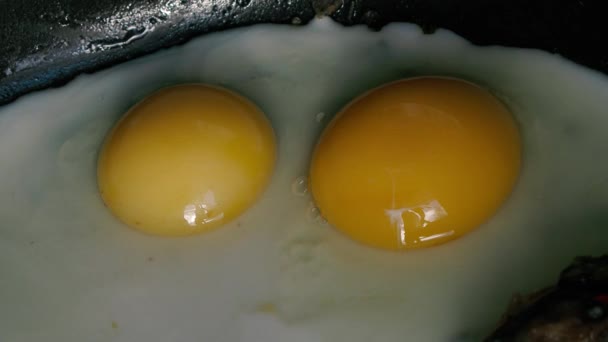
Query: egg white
[72, 272]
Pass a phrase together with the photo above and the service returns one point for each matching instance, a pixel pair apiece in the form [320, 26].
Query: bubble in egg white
[72, 272]
[320, 116]
[299, 187]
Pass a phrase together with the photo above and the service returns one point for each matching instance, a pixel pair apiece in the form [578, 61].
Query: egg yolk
[415, 163]
[186, 159]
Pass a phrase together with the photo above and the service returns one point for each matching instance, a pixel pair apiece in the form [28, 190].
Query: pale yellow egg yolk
[186, 159]
[416, 163]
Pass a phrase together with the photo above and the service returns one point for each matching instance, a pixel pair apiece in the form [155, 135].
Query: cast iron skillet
[46, 43]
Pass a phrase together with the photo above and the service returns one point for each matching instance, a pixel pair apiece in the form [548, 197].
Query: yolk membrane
[416, 163]
[186, 159]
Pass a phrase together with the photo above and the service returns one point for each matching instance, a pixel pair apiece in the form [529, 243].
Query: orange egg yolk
[416, 163]
[186, 159]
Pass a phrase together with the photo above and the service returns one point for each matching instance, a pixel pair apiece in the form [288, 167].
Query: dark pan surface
[48, 42]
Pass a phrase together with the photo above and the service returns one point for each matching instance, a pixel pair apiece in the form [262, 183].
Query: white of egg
[72, 272]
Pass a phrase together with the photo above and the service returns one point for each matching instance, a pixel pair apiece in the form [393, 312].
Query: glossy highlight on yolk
[186, 159]
[416, 163]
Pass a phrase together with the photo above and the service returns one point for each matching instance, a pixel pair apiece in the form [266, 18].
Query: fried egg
[283, 267]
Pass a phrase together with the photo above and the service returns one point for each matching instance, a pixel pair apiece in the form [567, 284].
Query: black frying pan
[45, 43]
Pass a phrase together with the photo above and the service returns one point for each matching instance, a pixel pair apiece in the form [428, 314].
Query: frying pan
[46, 43]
